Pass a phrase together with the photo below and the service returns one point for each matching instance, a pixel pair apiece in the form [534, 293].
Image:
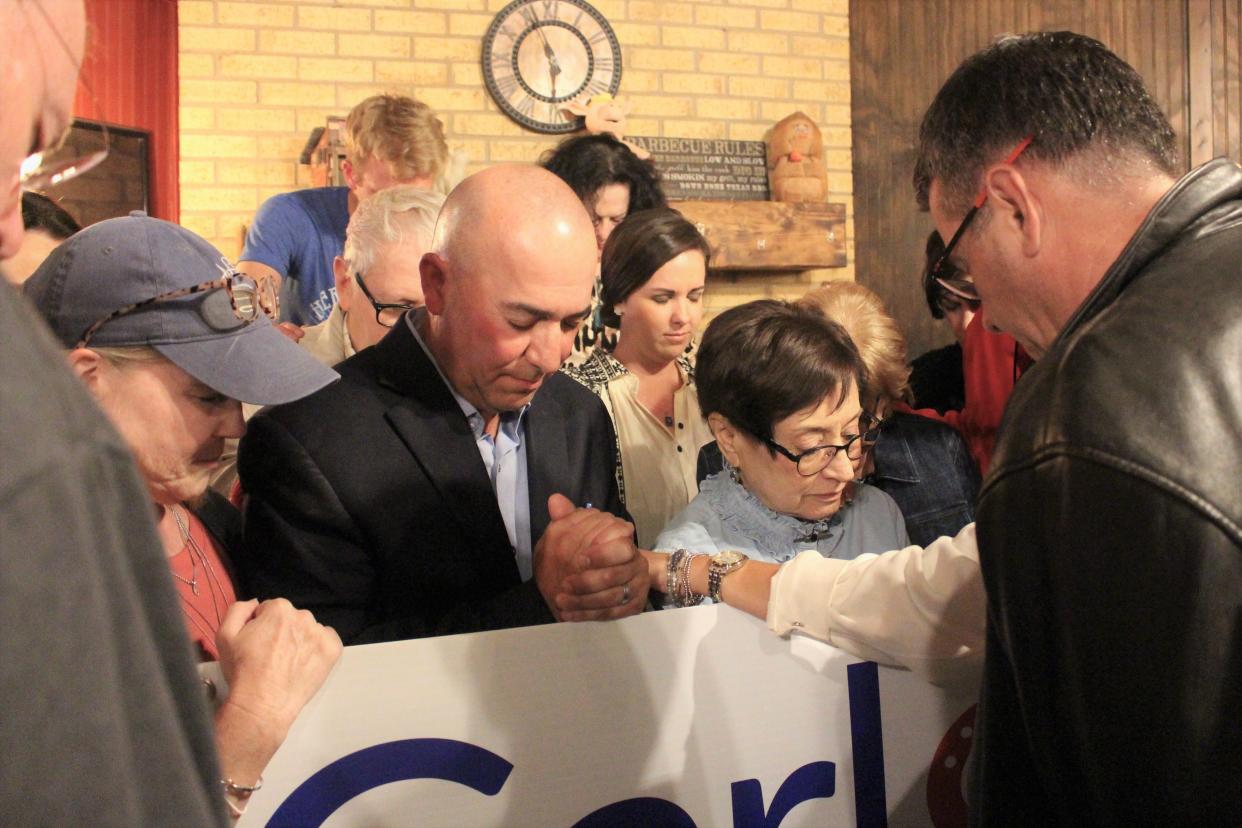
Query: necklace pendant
[194, 586]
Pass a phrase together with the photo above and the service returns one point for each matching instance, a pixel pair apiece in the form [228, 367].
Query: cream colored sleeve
[922, 608]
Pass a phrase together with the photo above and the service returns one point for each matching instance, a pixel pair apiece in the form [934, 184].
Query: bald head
[515, 211]
[41, 41]
[507, 283]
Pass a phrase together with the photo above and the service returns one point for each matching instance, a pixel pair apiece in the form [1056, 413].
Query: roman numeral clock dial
[540, 54]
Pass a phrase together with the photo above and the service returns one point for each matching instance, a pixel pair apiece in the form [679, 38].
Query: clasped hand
[274, 658]
[586, 565]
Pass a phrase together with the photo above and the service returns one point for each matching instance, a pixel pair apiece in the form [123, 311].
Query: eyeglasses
[59, 162]
[969, 294]
[386, 313]
[234, 300]
[956, 292]
[814, 460]
[871, 427]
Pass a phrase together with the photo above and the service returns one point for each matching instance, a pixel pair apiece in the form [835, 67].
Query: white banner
[696, 717]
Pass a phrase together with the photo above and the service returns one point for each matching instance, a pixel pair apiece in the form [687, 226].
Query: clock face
[540, 54]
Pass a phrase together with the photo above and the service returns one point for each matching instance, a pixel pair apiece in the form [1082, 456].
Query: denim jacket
[925, 466]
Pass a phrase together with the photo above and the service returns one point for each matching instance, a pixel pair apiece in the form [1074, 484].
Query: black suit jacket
[368, 503]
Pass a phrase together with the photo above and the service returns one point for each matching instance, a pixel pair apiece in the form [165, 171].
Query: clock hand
[554, 66]
[554, 69]
[546, 49]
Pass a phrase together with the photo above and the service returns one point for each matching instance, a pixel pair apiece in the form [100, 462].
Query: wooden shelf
[769, 235]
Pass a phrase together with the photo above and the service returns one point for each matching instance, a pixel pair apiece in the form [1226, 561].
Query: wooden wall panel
[1214, 42]
[901, 51]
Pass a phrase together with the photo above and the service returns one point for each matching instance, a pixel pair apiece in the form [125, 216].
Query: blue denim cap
[121, 261]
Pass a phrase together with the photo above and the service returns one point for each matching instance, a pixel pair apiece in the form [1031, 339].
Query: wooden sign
[770, 235]
[709, 169]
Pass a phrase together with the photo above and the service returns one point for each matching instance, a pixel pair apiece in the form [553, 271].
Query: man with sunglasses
[936, 379]
[103, 714]
[1110, 523]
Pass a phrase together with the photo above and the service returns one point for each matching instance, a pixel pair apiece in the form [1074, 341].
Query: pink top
[203, 584]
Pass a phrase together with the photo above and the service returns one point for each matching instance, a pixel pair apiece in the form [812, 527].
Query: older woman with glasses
[923, 465]
[775, 535]
[167, 336]
[779, 386]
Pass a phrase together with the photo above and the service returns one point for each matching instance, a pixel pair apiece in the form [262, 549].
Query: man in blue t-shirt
[389, 140]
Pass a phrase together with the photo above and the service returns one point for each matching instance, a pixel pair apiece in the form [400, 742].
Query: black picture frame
[120, 184]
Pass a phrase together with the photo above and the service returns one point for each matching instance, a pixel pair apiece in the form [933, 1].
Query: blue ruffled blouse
[725, 515]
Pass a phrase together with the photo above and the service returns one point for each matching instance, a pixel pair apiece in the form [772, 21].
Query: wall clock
[540, 54]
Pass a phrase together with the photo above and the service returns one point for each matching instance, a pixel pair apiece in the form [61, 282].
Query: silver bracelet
[241, 791]
[687, 597]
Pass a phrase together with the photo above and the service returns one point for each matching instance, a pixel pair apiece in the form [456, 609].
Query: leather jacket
[1110, 536]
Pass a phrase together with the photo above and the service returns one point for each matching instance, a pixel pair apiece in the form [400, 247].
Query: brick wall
[256, 77]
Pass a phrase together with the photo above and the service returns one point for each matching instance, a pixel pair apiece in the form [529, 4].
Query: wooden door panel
[901, 51]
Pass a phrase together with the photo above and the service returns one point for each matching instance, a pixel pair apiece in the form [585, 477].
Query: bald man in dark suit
[432, 490]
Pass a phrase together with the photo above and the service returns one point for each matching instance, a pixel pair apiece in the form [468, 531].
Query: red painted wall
[131, 65]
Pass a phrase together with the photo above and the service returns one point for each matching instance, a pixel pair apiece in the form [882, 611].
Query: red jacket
[988, 368]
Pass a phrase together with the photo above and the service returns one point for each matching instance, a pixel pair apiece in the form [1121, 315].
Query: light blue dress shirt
[504, 457]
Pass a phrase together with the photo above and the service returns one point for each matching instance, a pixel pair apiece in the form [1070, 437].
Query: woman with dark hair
[610, 180]
[779, 386]
[653, 273]
[47, 224]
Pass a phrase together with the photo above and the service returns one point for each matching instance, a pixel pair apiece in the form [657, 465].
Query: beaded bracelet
[687, 597]
[671, 584]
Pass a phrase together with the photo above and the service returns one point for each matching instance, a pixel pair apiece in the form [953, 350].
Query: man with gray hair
[377, 281]
[1110, 522]
[377, 278]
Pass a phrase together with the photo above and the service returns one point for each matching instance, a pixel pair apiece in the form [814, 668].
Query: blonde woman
[167, 341]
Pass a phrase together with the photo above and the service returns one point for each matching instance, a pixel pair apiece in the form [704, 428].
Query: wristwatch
[720, 565]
